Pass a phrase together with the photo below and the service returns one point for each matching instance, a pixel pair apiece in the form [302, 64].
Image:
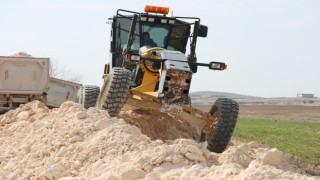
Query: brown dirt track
[283, 112]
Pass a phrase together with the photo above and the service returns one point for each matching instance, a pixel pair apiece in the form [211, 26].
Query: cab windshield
[166, 36]
[154, 35]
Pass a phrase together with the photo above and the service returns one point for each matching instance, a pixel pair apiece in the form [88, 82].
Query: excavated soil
[71, 142]
[157, 125]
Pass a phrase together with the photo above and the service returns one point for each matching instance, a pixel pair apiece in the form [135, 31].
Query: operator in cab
[147, 41]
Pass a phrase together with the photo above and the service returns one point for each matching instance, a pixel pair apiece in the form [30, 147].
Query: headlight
[217, 66]
[133, 57]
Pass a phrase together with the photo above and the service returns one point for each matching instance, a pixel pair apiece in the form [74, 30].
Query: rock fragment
[272, 157]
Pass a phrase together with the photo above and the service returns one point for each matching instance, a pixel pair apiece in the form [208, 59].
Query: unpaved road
[71, 142]
[283, 112]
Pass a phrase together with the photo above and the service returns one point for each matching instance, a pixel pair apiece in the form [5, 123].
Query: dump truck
[60, 91]
[150, 68]
[25, 78]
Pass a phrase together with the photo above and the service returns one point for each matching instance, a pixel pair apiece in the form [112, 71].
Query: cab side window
[178, 38]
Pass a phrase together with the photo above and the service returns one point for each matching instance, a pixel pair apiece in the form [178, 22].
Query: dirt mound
[71, 142]
[157, 125]
[21, 54]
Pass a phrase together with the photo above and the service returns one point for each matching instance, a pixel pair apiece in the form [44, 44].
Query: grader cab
[149, 68]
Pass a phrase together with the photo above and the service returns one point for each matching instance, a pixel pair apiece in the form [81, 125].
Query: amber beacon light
[156, 9]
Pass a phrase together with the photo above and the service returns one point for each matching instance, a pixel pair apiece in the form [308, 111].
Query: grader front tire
[115, 90]
[227, 113]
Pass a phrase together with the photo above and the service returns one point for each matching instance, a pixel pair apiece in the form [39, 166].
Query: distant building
[302, 95]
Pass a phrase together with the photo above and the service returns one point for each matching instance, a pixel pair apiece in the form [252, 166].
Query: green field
[298, 138]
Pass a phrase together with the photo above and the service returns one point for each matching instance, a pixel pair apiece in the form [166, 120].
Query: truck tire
[89, 94]
[114, 91]
[227, 114]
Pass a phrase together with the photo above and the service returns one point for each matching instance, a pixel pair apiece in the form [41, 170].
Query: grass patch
[298, 138]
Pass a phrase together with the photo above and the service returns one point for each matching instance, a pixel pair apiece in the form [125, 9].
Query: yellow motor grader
[149, 68]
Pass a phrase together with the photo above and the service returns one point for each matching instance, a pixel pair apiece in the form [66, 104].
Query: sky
[271, 47]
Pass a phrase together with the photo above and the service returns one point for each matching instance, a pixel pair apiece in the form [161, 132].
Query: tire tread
[118, 91]
[227, 115]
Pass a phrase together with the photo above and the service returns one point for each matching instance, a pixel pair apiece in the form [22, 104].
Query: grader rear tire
[89, 94]
[227, 113]
[115, 91]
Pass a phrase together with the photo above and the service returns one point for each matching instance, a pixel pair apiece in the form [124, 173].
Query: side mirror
[203, 31]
